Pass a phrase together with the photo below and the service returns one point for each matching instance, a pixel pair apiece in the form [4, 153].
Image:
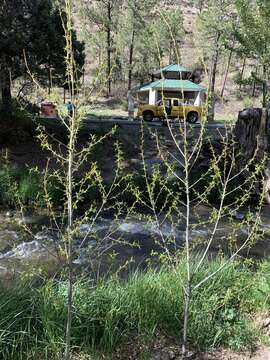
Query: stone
[266, 322]
[6, 274]
[32, 257]
[8, 239]
[190, 355]
[171, 354]
[9, 214]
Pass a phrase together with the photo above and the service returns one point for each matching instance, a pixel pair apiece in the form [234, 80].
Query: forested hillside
[225, 43]
[220, 40]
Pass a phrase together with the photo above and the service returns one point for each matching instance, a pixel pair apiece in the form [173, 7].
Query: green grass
[21, 185]
[32, 324]
[99, 113]
[225, 118]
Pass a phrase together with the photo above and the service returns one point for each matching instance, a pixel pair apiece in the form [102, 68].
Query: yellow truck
[171, 108]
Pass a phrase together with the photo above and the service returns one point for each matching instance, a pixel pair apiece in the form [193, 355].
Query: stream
[121, 245]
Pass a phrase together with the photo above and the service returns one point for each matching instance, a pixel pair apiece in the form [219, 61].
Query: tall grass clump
[20, 328]
[108, 313]
[22, 186]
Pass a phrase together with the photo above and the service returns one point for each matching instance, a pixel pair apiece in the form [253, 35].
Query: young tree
[216, 35]
[103, 16]
[225, 184]
[148, 31]
[252, 35]
[141, 34]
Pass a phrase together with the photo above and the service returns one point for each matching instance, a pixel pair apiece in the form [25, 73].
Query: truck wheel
[192, 117]
[148, 116]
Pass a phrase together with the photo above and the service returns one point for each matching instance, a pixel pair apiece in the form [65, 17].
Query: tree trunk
[264, 102]
[109, 82]
[242, 73]
[251, 137]
[5, 86]
[251, 132]
[254, 83]
[187, 296]
[211, 96]
[49, 81]
[170, 53]
[6, 100]
[226, 74]
[131, 60]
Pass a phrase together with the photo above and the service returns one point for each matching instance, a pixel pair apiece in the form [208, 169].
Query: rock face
[251, 130]
[130, 136]
[251, 136]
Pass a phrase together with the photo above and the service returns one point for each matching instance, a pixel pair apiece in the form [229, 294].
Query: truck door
[160, 108]
[175, 108]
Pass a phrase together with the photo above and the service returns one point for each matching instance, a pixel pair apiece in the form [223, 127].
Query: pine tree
[32, 39]
[149, 36]
[101, 19]
[252, 33]
[216, 35]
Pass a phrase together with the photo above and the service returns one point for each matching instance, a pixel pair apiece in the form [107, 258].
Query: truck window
[175, 102]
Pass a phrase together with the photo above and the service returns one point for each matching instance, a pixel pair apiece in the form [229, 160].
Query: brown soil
[134, 353]
[164, 348]
[263, 353]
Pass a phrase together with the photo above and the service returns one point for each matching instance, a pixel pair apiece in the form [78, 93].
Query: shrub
[25, 186]
[248, 102]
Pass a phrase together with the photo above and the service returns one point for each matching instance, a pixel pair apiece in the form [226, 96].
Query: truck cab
[171, 108]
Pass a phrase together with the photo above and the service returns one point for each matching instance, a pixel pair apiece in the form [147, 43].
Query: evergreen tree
[216, 35]
[149, 36]
[101, 19]
[252, 33]
[32, 39]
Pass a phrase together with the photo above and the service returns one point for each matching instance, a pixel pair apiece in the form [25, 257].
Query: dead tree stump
[252, 144]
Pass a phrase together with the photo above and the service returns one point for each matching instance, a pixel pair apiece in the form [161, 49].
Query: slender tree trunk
[131, 48]
[187, 286]
[211, 96]
[254, 82]
[69, 234]
[49, 81]
[109, 82]
[264, 86]
[226, 74]
[6, 99]
[5, 85]
[69, 179]
[242, 73]
[170, 53]
[186, 319]
[69, 313]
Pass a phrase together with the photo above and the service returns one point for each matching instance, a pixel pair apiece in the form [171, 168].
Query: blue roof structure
[173, 68]
[163, 84]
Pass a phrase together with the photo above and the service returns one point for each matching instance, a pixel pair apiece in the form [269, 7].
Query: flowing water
[118, 245]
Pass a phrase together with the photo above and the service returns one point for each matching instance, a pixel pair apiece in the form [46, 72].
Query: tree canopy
[32, 41]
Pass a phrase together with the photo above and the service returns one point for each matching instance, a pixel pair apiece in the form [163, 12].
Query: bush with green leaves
[24, 186]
